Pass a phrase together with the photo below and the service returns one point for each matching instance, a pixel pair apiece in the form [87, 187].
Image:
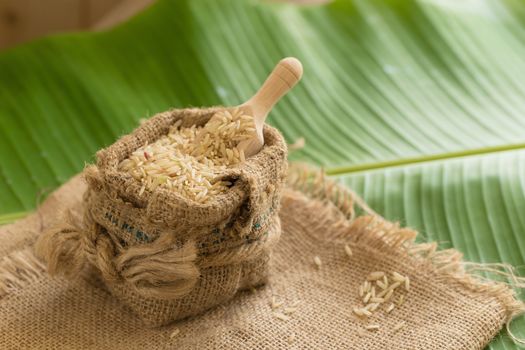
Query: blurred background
[23, 20]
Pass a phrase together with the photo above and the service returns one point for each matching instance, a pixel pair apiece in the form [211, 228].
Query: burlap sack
[163, 255]
[447, 308]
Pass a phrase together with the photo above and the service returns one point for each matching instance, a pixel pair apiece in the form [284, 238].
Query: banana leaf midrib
[346, 170]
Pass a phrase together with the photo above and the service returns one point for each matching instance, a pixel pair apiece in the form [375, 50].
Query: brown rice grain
[377, 300]
[367, 297]
[375, 275]
[289, 310]
[382, 293]
[372, 307]
[281, 316]
[317, 262]
[275, 304]
[390, 308]
[362, 312]
[398, 326]
[394, 286]
[381, 285]
[174, 333]
[366, 312]
[358, 311]
[348, 250]
[398, 277]
[389, 295]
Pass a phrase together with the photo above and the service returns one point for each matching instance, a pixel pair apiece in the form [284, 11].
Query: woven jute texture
[446, 308]
[165, 256]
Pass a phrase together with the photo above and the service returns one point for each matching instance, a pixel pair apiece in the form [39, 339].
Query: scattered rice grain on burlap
[44, 312]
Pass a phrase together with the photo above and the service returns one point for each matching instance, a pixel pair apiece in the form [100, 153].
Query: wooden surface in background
[124, 10]
[23, 20]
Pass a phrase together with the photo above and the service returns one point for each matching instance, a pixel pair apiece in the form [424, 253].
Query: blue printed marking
[139, 235]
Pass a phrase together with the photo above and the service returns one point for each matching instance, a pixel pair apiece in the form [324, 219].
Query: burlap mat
[445, 308]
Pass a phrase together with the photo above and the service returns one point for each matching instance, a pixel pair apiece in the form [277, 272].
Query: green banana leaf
[419, 106]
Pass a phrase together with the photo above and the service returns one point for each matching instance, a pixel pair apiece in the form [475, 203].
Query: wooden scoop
[281, 80]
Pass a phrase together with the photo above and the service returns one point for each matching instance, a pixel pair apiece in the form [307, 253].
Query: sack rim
[124, 186]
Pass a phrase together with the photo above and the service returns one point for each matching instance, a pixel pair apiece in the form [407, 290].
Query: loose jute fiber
[304, 306]
[164, 255]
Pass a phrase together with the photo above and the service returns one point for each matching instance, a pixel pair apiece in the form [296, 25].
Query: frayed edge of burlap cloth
[30, 300]
[383, 234]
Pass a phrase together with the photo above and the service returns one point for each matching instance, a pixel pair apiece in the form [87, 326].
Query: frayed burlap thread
[165, 256]
[448, 307]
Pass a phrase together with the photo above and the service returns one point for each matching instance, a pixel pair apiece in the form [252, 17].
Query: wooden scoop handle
[283, 77]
